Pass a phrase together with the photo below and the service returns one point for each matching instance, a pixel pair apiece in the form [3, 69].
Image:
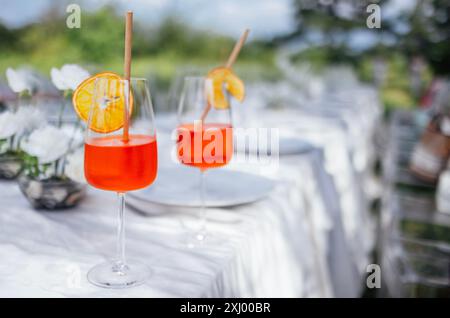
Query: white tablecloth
[333, 136]
[291, 244]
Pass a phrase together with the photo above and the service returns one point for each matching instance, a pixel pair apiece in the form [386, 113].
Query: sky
[266, 18]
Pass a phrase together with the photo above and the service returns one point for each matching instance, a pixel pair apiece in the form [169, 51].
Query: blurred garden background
[403, 57]
[358, 89]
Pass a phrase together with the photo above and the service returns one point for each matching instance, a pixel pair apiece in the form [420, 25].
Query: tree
[425, 30]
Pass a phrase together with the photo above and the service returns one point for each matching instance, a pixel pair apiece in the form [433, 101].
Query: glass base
[118, 275]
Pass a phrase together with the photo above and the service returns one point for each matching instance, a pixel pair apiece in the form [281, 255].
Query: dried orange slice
[108, 114]
[224, 78]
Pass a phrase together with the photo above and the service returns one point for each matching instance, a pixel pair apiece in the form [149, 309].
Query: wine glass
[204, 139]
[120, 160]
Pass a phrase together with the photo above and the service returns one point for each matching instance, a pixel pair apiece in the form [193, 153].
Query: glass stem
[61, 112]
[120, 257]
[203, 220]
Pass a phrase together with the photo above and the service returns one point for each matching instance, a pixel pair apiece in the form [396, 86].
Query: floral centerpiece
[52, 154]
[16, 120]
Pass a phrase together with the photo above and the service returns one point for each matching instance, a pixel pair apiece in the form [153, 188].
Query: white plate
[286, 146]
[180, 186]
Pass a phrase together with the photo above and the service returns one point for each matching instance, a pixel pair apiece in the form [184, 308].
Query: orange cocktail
[205, 146]
[115, 165]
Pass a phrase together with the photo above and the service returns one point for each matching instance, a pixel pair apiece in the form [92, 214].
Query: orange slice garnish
[108, 112]
[224, 78]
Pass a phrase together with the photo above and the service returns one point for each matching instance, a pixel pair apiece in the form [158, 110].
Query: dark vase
[10, 166]
[53, 193]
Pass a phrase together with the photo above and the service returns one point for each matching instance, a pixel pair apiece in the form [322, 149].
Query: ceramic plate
[179, 186]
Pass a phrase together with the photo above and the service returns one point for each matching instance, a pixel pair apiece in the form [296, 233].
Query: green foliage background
[98, 45]
[161, 52]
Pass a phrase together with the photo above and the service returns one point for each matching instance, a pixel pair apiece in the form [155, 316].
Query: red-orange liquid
[208, 146]
[111, 164]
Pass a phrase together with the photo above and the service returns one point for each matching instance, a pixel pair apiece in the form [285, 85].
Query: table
[291, 244]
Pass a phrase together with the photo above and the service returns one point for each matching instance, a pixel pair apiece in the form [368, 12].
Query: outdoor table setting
[224, 154]
[285, 216]
[305, 263]
[295, 224]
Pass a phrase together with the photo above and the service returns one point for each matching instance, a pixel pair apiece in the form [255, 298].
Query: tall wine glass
[203, 142]
[120, 162]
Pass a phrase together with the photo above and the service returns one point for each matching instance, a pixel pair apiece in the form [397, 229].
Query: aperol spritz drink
[209, 145]
[204, 137]
[120, 156]
[114, 165]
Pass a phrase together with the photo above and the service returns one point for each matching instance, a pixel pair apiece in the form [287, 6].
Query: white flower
[74, 168]
[30, 118]
[25, 119]
[8, 125]
[58, 79]
[74, 75]
[75, 133]
[47, 143]
[68, 77]
[19, 80]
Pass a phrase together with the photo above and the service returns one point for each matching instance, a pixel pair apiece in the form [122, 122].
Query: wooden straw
[237, 48]
[127, 68]
[205, 111]
[231, 59]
